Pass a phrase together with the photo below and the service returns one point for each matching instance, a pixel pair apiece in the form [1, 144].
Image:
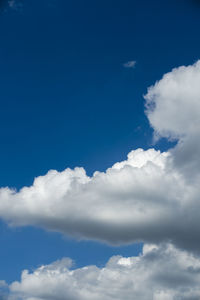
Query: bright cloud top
[161, 273]
[149, 197]
[173, 103]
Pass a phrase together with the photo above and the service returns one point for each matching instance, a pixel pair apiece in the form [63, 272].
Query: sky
[99, 156]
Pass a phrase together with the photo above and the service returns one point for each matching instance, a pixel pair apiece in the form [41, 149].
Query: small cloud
[130, 64]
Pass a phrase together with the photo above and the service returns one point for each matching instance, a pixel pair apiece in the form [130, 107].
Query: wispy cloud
[130, 64]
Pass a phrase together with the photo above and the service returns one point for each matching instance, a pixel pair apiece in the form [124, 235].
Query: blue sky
[68, 99]
[72, 102]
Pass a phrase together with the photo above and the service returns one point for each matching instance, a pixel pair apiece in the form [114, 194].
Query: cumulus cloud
[130, 64]
[173, 103]
[173, 109]
[135, 200]
[151, 197]
[160, 273]
[117, 206]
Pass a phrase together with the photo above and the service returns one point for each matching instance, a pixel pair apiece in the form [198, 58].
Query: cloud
[3, 290]
[173, 109]
[173, 106]
[151, 197]
[130, 64]
[118, 206]
[160, 273]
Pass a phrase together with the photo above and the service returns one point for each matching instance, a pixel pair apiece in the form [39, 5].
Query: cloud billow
[151, 197]
[160, 273]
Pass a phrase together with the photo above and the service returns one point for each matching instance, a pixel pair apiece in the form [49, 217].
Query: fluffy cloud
[118, 206]
[160, 273]
[173, 109]
[135, 200]
[173, 103]
[151, 197]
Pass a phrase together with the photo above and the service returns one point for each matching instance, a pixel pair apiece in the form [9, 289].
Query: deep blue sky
[67, 100]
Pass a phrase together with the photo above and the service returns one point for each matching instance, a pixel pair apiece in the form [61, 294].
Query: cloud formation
[151, 197]
[173, 106]
[160, 273]
[173, 109]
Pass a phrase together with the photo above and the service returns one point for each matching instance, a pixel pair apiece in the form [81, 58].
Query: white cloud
[173, 109]
[161, 273]
[173, 103]
[151, 197]
[130, 64]
[118, 206]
